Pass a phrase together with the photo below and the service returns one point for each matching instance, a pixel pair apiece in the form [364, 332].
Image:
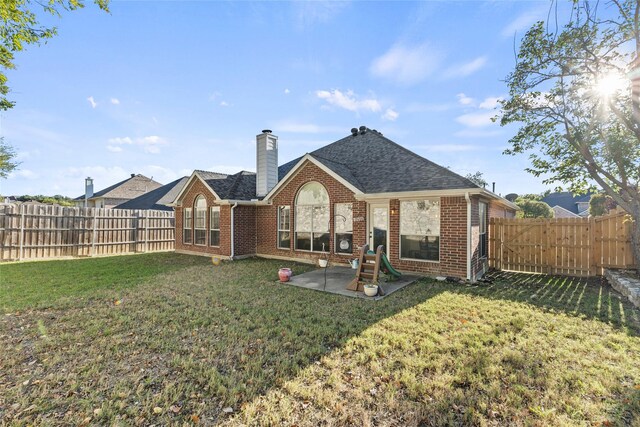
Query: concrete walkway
[339, 277]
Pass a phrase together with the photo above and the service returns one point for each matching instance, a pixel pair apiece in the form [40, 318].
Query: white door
[379, 226]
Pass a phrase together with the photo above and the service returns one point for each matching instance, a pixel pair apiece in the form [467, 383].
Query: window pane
[186, 235]
[187, 218]
[482, 212]
[343, 218]
[344, 243]
[321, 242]
[283, 218]
[201, 237]
[420, 217]
[303, 218]
[420, 247]
[215, 218]
[200, 218]
[303, 241]
[200, 202]
[312, 193]
[320, 221]
[214, 239]
[284, 239]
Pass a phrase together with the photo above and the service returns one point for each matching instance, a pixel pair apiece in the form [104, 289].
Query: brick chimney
[266, 162]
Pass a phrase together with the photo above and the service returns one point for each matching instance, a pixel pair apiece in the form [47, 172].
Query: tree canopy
[571, 92]
[532, 208]
[477, 178]
[21, 27]
[7, 156]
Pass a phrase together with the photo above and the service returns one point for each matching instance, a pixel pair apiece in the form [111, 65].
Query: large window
[312, 218]
[284, 227]
[420, 229]
[186, 225]
[200, 225]
[482, 212]
[343, 228]
[214, 226]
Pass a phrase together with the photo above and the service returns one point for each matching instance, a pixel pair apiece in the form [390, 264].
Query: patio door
[379, 226]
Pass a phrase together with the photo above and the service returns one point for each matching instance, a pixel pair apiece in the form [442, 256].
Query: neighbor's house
[362, 189]
[159, 199]
[130, 188]
[566, 205]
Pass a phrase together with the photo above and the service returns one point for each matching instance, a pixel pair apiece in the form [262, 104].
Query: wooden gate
[566, 246]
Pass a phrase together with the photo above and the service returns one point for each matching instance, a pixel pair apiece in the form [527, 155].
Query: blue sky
[162, 88]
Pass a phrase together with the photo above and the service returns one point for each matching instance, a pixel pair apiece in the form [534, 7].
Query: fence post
[93, 234]
[146, 231]
[21, 254]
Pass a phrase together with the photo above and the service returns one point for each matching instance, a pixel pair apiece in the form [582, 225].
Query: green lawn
[167, 339]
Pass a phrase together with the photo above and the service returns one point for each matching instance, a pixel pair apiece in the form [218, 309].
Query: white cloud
[287, 91]
[93, 103]
[406, 64]
[224, 104]
[24, 174]
[476, 120]
[466, 69]
[149, 144]
[349, 101]
[490, 103]
[115, 101]
[464, 99]
[523, 22]
[309, 13]
[390, 115]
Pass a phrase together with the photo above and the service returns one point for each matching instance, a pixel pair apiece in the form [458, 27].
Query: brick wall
[195, 189]
[267, 216]
[244, 218]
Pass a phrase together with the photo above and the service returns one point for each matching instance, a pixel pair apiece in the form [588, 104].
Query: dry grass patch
[227, 345]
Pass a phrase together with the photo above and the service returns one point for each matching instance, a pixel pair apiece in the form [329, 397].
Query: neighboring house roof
[567, 201]
[374, 164]
[130, 188]
[157, 199]
[560, 212]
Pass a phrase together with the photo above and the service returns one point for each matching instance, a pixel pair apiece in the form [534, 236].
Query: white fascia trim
[296, 169]
[242, 202]
[461, 192]
[186, 185]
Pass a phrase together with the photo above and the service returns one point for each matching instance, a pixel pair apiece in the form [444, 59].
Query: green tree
[477, 178]
[600, 204]
[578, 111]
[531, 208]
[7, 159]
[21, 27]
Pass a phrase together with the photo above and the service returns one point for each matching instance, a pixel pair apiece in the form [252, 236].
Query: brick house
[362, 189]
[118, 193]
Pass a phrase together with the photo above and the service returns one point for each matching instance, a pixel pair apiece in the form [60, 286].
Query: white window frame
[282, 209]
[335, 228]
[196, 219]
[482, 221]
[439, 234]
[187, 218]
[313, 207]
[213, 209]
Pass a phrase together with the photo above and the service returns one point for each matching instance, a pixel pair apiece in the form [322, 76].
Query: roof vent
[133, 175]
[354, 131]
[363, 129]
[266, 131]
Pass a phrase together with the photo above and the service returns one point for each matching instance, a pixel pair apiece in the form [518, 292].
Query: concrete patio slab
[337, 279]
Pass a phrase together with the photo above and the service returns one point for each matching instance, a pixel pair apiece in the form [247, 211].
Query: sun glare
[611, 83]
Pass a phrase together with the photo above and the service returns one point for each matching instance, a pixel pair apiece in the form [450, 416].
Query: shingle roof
[566, 200]
[130, 188]
[157, 199]
[239, 186]
[375, 164]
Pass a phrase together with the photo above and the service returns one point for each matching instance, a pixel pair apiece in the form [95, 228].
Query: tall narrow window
[482, 227]
[343, 227]
[214, 226]
[284, 227]
[186, 225]
[420, 229]
[312, 218]
[200, 224]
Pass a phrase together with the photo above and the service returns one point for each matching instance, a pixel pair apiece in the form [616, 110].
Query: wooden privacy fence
[566, 246]
[30, 231]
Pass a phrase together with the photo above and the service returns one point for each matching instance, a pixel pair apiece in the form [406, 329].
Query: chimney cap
[266, 131]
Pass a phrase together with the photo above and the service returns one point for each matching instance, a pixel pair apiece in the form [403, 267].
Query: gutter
[233, 237]
[468, 199]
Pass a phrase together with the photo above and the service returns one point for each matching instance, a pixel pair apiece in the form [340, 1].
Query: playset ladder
[368, 269]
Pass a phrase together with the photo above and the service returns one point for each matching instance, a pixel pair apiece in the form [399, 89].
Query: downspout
[468, 199]
[233, 236]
